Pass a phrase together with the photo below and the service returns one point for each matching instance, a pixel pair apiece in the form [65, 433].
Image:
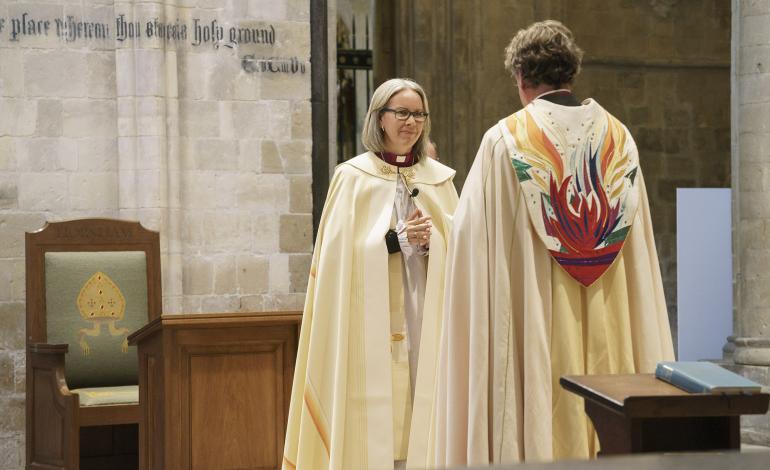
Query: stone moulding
[752, 351]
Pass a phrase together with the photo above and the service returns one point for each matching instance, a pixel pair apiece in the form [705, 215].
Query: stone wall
[193, 135]
[660, 66]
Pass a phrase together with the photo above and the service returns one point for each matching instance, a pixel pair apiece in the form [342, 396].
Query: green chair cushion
[125, 395]
[94, 300]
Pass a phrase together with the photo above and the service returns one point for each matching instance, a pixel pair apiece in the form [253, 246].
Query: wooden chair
[90, 283]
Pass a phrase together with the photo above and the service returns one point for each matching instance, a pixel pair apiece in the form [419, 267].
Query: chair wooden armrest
[47, 364]
[56, 408]
[46, 348]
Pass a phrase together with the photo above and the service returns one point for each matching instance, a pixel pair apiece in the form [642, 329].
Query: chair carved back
[90, 283]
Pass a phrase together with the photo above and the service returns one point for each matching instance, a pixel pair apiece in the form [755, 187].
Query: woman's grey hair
[544, 52]
[372, 135]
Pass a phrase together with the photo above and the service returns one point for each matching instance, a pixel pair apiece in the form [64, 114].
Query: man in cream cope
[551, 269]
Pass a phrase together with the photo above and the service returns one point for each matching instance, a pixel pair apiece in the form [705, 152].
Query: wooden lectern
[639, 413]
[214, 389]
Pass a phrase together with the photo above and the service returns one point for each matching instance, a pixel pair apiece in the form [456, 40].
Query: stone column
[749, 347]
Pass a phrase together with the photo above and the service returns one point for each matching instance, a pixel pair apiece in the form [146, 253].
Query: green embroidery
[521, 170]
[617, 236]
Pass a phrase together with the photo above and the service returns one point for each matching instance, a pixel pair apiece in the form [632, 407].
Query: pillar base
[750, 357]
[751, 351]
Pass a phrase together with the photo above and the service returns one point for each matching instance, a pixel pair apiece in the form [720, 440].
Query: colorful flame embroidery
[581, 205]
[582, 216]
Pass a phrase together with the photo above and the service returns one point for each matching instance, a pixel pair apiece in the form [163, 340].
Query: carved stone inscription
[195, 33]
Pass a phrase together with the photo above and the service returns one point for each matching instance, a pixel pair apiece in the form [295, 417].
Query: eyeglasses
[403, 114]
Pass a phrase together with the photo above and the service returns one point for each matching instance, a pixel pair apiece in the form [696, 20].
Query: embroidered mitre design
[100, 298]
[101, 302]
[579, 181]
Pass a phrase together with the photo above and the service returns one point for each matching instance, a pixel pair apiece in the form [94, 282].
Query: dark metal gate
[354, 84]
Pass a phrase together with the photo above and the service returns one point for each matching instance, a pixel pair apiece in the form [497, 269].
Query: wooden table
[214, 389]
[639, 413]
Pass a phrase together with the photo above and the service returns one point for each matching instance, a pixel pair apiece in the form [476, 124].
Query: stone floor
[754, 448]
[753, 458]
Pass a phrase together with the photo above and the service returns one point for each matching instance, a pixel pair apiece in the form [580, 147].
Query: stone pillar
[748, 350]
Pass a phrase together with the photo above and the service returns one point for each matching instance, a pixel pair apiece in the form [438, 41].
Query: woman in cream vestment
[551, 270]
[365, 374]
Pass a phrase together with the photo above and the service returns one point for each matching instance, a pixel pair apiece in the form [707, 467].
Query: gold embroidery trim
[388, 170]
[397, 337]
[385, 170]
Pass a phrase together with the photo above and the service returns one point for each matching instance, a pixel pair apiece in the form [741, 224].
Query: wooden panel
[233, 395]
[48, 421]
[692, 434]
[153, 417]
[112, 414]
[151, 403]
[620, 435]
[51, 410]
[216, 392]
[613, 430]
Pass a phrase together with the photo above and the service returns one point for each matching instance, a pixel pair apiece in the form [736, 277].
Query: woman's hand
[418, 229]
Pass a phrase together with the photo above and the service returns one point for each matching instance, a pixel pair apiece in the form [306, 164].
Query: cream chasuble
[343, 412]
[551, 270]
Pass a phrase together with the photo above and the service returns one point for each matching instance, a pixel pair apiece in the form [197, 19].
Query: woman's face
[400, 136]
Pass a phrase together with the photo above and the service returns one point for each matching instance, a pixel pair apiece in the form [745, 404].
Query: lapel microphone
[414, 191]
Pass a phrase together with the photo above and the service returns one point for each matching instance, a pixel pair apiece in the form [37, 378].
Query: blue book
[704, 377]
